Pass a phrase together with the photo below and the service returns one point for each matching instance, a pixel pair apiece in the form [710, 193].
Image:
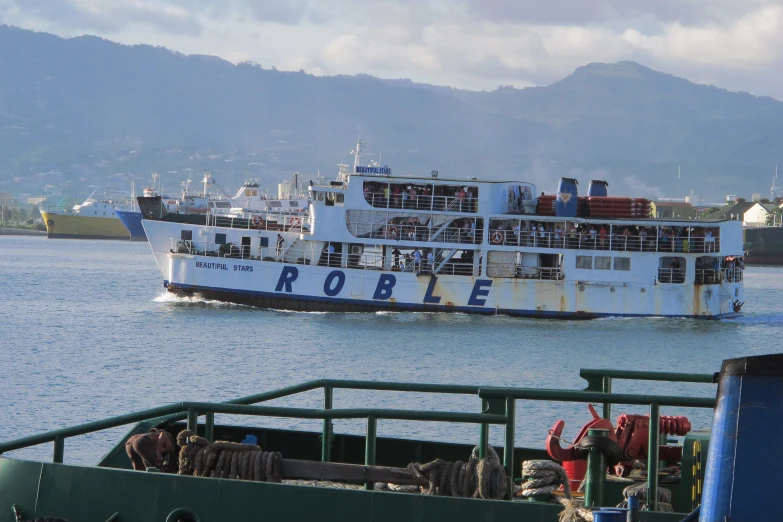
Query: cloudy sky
[476, 44]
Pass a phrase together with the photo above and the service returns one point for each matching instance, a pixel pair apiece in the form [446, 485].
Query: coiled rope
[542, 477]
[476, 478]
[201, 458]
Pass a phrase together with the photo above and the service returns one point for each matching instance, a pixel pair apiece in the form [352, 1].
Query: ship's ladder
[450, 234]
[444, 256]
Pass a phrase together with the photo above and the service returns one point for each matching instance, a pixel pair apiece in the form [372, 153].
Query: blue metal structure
[566, 202]
[597, 188]
[132, 221]
[746, 455]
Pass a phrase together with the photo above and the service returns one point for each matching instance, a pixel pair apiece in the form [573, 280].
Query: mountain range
[85, 109]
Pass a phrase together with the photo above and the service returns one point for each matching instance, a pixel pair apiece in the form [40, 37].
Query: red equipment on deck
[631, 434]
[575, 466]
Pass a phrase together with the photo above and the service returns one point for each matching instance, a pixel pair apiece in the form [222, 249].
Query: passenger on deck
[416, 260]
[709, 241]
[329, 254]
[573, 235]
[279, 245]
[602, 235]
[147, 450]
[396, 257]
[430, 260]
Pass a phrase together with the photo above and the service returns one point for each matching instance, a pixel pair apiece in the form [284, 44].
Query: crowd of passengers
[412, 229]
[420, 197]
[604, 237]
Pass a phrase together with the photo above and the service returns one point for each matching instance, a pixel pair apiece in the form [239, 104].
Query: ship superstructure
[373, 241]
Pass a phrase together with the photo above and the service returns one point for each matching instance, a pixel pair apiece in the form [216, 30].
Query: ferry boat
[372, 241]
[96, 218]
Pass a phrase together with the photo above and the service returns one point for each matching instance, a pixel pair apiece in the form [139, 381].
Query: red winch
[631, 434]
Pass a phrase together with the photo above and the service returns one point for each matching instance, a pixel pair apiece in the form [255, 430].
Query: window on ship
[671, 270]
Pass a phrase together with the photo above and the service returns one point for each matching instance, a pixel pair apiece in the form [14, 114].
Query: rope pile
[542, 477]
[201, 458]
[476, 478]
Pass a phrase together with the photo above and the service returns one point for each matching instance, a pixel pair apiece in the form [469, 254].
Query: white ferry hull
[309, 287]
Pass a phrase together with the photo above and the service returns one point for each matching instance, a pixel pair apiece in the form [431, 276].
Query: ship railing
[710, 276]
[519, 271]
[586, 241]
[299, 222]
[421, 202]
[425, 266]
[671, 275]
[234, 251]
[404, 232]
[497, 407]
[733, 275]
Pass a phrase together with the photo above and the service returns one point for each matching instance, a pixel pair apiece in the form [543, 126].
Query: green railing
[498, 407]
[601, 380]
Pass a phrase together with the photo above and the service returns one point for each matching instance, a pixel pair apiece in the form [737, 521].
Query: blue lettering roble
[340, 277]
[480, 289]
[287, 276]
[385, 285]
[428, 297]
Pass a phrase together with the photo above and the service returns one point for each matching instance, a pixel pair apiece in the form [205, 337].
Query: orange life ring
[497, 237]
[295, 222]
[258, 222]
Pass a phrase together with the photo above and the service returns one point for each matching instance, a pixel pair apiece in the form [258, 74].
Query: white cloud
[464, 43]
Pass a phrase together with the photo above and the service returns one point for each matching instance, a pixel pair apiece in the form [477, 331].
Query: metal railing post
[652, 456]
[606, 387]
[508, 449]
[326, 437]
[192, 420]
[596, 472]
[484, 432]
[369, 450]
[209, 426]
[59, 450]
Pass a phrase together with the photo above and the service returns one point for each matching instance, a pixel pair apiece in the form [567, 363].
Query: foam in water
[170, 297]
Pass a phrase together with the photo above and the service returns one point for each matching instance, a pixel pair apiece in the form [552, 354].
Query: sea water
[87, 331]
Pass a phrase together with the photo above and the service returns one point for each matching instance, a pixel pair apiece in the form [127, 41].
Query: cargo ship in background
[764, 245]
[93, 219]
[376, 242]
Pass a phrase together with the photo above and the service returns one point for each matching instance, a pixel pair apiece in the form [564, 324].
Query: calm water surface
[86, 331]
